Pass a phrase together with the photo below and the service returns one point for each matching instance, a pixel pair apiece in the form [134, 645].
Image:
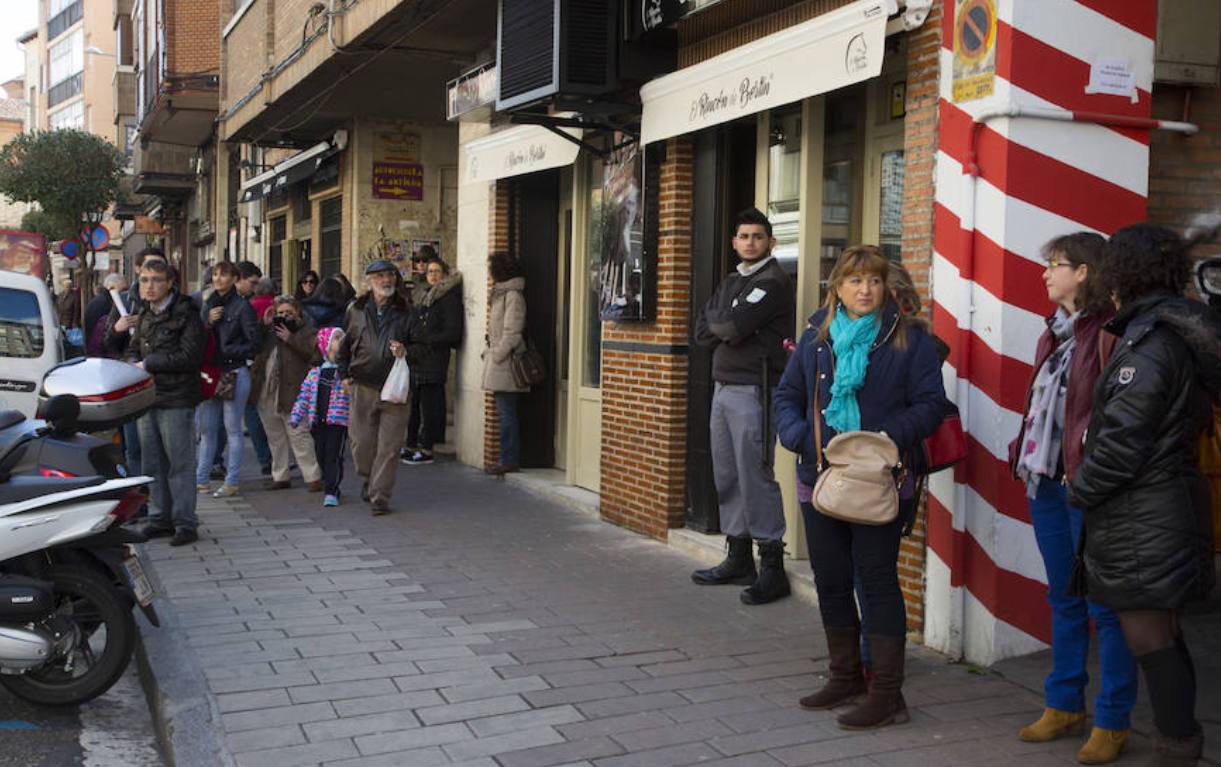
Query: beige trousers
[282, 438]
[377, 430]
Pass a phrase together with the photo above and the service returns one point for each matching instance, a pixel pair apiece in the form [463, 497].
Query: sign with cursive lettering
[828, 52]
[518, 150]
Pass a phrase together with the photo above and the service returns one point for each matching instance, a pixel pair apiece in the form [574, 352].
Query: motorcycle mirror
[62, 412]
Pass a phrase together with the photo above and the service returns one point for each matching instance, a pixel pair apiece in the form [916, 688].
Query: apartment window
[65, 89]
[71, 116]
[67, 57]
[63, 14]
[123, 41]
[275, 255]
[330, 211]
[302, 207]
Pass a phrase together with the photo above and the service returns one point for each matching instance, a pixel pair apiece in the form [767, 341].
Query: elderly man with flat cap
[376, 327]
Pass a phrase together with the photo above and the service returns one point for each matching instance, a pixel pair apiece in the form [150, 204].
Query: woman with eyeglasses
[307, 285]
[1045, 457]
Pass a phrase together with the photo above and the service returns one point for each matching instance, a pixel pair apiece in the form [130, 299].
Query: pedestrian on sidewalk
[1045, 456]
[227, 314]
[307, 285]
[1148, 548]
[435, 329]
[506, 337]
[323, 406]
[859, 366]
[97, 314]
[374, 336]
[289, 351]
[327, 304]
[168, 342]
[745, 323]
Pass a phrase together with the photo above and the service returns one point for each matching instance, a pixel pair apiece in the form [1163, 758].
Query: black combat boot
[772, 583]
[737, 567]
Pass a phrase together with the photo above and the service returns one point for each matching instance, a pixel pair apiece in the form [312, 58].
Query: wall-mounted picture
[618, 226]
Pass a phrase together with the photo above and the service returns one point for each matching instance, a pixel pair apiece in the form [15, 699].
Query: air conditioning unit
[1188, 42]
[547, 48]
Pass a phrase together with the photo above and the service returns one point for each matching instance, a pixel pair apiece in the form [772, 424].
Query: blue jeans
[510, 429]
[169, 458]
[210, 415]
[1057, 528]
[131, 448]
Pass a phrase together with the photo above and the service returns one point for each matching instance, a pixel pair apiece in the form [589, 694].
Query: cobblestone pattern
[484, 627]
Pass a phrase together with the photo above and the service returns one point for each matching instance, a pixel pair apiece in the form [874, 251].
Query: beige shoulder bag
[856, 480]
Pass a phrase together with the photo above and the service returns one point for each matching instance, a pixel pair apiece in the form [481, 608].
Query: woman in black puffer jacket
[1147, 542]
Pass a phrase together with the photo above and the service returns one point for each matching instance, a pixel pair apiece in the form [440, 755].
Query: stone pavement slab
[480, 625]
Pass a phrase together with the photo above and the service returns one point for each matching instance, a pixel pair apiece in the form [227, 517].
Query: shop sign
[651, 15]
[974, 71]
[519, 150]
[398, 181]
[471, 91]
[826, 53]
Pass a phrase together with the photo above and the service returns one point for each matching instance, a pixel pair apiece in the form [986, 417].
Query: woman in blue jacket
[860, 366]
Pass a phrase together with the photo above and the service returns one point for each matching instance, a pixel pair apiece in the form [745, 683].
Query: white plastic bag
[397, 388]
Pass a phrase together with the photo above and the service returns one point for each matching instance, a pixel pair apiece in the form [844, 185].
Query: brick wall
[1185, 171]
[919, 154]
[246, 52]
[499, 227]
[730, 24]
[193, 37]
[644, 377]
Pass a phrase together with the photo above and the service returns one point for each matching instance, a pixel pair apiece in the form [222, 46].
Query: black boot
[885, 704]
[772, 583]
[1177, 752]
[845, 682]
[737, 567]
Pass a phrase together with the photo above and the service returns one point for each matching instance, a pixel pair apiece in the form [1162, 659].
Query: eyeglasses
[309, 281]
[1055, 261]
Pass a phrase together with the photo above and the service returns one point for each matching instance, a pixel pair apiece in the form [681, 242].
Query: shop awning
[823, 54]
[518, 150]
[299, 167]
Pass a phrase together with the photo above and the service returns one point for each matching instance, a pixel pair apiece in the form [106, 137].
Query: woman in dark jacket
[1147, 547]
[1045, 456]
[307, 286]
[436, 328]
[229, 317]
[860, 366]
[326, 306]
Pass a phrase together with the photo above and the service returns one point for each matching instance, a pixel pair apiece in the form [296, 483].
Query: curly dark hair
[503, 266]
[1144, 259]
[1084, 249]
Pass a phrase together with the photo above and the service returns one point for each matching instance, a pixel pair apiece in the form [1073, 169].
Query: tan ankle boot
[1054, 724]
[1103, 747]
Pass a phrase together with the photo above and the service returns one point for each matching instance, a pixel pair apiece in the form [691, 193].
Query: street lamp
[96, 51]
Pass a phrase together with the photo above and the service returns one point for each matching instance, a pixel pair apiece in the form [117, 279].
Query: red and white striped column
[1037, 178]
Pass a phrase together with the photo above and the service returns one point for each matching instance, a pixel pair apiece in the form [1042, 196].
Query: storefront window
[784, 184]
[890, 224]
[591, 369]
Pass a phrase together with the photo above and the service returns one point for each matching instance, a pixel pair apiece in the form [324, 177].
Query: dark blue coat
[903, 394]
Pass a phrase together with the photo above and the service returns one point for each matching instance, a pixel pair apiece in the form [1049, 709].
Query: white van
[30, 342]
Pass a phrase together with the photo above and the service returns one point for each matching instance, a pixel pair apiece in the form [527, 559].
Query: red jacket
[260, 304]
[1093, 349]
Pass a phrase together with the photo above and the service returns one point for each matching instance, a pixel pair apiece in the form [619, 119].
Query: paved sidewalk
[480, 625]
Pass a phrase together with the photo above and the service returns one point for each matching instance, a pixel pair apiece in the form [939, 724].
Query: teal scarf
[851, 340]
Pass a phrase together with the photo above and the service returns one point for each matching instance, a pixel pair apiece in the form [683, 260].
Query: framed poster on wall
[626, 234]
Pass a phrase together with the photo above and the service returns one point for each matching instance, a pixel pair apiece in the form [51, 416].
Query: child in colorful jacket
[324, 401]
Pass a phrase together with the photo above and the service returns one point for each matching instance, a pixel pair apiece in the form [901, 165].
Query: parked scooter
[68, 577]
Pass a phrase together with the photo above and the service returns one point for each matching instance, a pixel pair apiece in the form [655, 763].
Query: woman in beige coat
[506, 335]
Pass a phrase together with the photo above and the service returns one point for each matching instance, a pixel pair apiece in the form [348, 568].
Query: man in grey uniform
[745, 323]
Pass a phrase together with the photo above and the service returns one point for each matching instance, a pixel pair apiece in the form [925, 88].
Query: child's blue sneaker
[330, 500]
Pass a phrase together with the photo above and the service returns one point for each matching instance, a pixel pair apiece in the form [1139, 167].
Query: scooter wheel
[107, 635]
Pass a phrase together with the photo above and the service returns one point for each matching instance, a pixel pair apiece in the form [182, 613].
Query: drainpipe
[971, 173]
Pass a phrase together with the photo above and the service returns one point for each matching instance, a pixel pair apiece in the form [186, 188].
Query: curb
[185, 715]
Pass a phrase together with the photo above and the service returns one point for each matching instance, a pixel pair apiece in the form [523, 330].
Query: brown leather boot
[884, 704]
[845, 683]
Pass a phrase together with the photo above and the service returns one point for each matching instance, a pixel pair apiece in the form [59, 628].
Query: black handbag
[527, 367]
[226, 386]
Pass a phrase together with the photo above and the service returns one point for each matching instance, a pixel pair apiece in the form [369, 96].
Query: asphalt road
[114, 730]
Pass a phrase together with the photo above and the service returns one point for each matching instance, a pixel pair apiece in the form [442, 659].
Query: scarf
[1044, 435]
[851, 340]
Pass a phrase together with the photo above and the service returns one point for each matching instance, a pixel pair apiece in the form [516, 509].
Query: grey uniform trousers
[749, 495]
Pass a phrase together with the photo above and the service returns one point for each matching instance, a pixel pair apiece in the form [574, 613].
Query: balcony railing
[125, 92]
[65, 89]
[64, 19]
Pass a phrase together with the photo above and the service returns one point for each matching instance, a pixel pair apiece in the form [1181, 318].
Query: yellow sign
[974, 49]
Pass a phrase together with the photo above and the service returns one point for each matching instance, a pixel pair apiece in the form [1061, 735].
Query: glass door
[583, 366]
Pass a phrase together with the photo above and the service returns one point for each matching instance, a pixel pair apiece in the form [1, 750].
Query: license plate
[139, 581]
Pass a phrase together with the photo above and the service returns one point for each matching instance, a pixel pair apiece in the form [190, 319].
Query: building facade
[958, 136]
